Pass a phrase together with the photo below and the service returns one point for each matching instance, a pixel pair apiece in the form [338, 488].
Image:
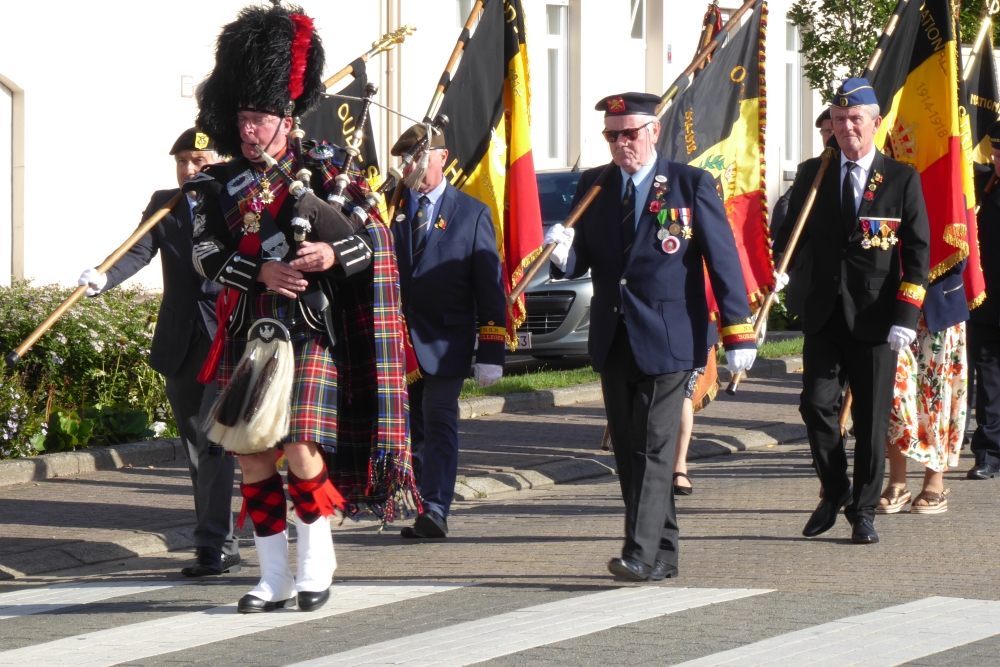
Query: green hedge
[86, 381]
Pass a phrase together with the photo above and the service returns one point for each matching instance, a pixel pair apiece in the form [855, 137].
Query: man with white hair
[184, 331]
[871, 254]
[646, 238]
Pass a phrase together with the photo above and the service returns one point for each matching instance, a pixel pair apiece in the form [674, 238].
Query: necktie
[628, 218]
[420, 223]
[847, 198]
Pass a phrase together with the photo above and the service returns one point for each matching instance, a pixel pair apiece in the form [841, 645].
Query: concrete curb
[113, 457]
[470, 408]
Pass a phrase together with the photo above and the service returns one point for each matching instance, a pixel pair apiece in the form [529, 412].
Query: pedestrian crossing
[890, 636]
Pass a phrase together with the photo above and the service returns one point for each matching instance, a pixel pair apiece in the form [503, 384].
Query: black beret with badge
[192, 140]
[414, 134]
[823, 116]
[629, 104]
[994, 133]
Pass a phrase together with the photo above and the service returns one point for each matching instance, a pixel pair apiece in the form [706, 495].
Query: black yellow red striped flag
[719, 124]
[489, 139]
[982, 98]
[915, 75]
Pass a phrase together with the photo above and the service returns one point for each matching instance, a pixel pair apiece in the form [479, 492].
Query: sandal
[897, 497]
[936, 502]
[683, 490]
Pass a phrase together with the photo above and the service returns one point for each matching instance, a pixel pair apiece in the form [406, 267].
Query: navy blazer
[455, 278]
[660, 295]
[188, 299]
[989, 247]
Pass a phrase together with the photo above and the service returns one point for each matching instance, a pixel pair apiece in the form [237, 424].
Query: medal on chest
[253, 204]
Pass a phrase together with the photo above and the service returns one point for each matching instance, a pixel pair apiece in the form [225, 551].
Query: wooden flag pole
[680, 84]
[800, 222]
[77, 294]
[456, 54]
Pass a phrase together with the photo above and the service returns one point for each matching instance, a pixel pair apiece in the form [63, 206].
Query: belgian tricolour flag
[982, 99]
[489, 139]
[718, 124]
[915, 74]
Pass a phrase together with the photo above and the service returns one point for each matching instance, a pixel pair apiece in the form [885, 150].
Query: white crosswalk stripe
[184, 631]
[49, 598]
[887, 637]
[487, 638]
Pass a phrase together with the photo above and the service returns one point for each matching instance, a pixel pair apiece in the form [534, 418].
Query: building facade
[96, 104]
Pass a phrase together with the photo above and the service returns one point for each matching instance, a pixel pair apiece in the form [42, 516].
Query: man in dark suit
[449, 273]
[870, 240]
[644, 239]
[984, 322]
[184, 331]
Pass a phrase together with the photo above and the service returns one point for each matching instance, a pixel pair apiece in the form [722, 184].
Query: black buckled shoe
[864, 531]
[210, 562]
[312, 601]
[982, 471]
[429, 525]
[251, 604]
[663, 571]
[629, 569]
[825, 516]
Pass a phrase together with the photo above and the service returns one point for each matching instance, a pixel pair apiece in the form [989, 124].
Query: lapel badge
[655, 206]
[441, 223]
[400, 217]
[660, 178]
[869, 195]
[877, 177]
[671, 244]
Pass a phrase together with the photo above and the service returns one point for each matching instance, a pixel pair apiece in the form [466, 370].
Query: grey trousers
[644, 414]
[211, 476]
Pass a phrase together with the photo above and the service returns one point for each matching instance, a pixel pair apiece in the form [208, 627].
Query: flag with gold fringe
[719, 124]
[915, 76]
[982, 98]
[489, 139]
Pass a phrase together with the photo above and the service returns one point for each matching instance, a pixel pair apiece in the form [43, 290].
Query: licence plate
[523, 340]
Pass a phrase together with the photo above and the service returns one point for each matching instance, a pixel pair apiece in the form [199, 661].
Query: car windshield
[555, 193]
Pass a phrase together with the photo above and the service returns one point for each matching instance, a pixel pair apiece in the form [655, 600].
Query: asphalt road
[521, 580]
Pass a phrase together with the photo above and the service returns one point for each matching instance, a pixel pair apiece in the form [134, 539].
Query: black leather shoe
[864, 531]
[983, 471]
[210, 562]
[251, 604]
[429, 525]
[663, 571]
[630, 569]
[825, 516]
[312, 601]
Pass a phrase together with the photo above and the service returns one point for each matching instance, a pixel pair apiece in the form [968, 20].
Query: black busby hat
[414, 134]
[192, 140]
[629, 104]
[269, 59]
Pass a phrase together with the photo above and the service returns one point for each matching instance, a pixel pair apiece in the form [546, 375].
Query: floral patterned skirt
[927, 422]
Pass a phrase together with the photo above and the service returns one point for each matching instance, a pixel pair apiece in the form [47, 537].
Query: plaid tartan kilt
[314, 388]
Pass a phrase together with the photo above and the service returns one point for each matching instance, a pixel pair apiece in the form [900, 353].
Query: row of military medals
[256, 203]
[679, 218]
[879, 232]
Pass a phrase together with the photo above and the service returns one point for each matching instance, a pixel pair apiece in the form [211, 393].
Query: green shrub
[88, 373]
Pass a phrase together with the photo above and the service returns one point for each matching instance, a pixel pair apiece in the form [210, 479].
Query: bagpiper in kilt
[311, 335]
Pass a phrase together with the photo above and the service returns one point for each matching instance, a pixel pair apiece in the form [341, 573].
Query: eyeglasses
[630, 134]
[259, 120]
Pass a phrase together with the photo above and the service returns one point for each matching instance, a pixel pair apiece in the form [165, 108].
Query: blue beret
[854, 93]
[629, 104]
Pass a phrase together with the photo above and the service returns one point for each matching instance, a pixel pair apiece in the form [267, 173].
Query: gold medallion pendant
[251, 222]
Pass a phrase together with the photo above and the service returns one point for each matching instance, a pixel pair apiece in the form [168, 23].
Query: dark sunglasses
[630, 134]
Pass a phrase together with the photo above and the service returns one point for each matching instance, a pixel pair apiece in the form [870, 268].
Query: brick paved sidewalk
[68, 521]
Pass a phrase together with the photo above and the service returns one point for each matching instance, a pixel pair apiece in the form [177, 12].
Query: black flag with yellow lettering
[982, 99]
[335, 119]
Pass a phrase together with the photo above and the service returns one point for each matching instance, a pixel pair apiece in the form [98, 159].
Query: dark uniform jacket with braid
[878, 288]
[661, 295]
[225, 192]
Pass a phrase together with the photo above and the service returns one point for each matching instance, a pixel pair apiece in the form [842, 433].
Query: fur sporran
[252, 413]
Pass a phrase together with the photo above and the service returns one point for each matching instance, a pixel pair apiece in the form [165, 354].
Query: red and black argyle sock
[314, 497]
[265, 502]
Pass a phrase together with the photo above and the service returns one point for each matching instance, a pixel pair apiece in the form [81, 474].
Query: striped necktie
[420, 223]
[628, 218]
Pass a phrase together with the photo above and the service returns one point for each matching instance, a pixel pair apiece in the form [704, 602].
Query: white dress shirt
[859, 175]
[642, 180]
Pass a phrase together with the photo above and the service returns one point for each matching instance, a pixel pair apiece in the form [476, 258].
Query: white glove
[487, 374]
[900, 337]
[95, 280]
[780, 281]
[564, 237]
[740, 360]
